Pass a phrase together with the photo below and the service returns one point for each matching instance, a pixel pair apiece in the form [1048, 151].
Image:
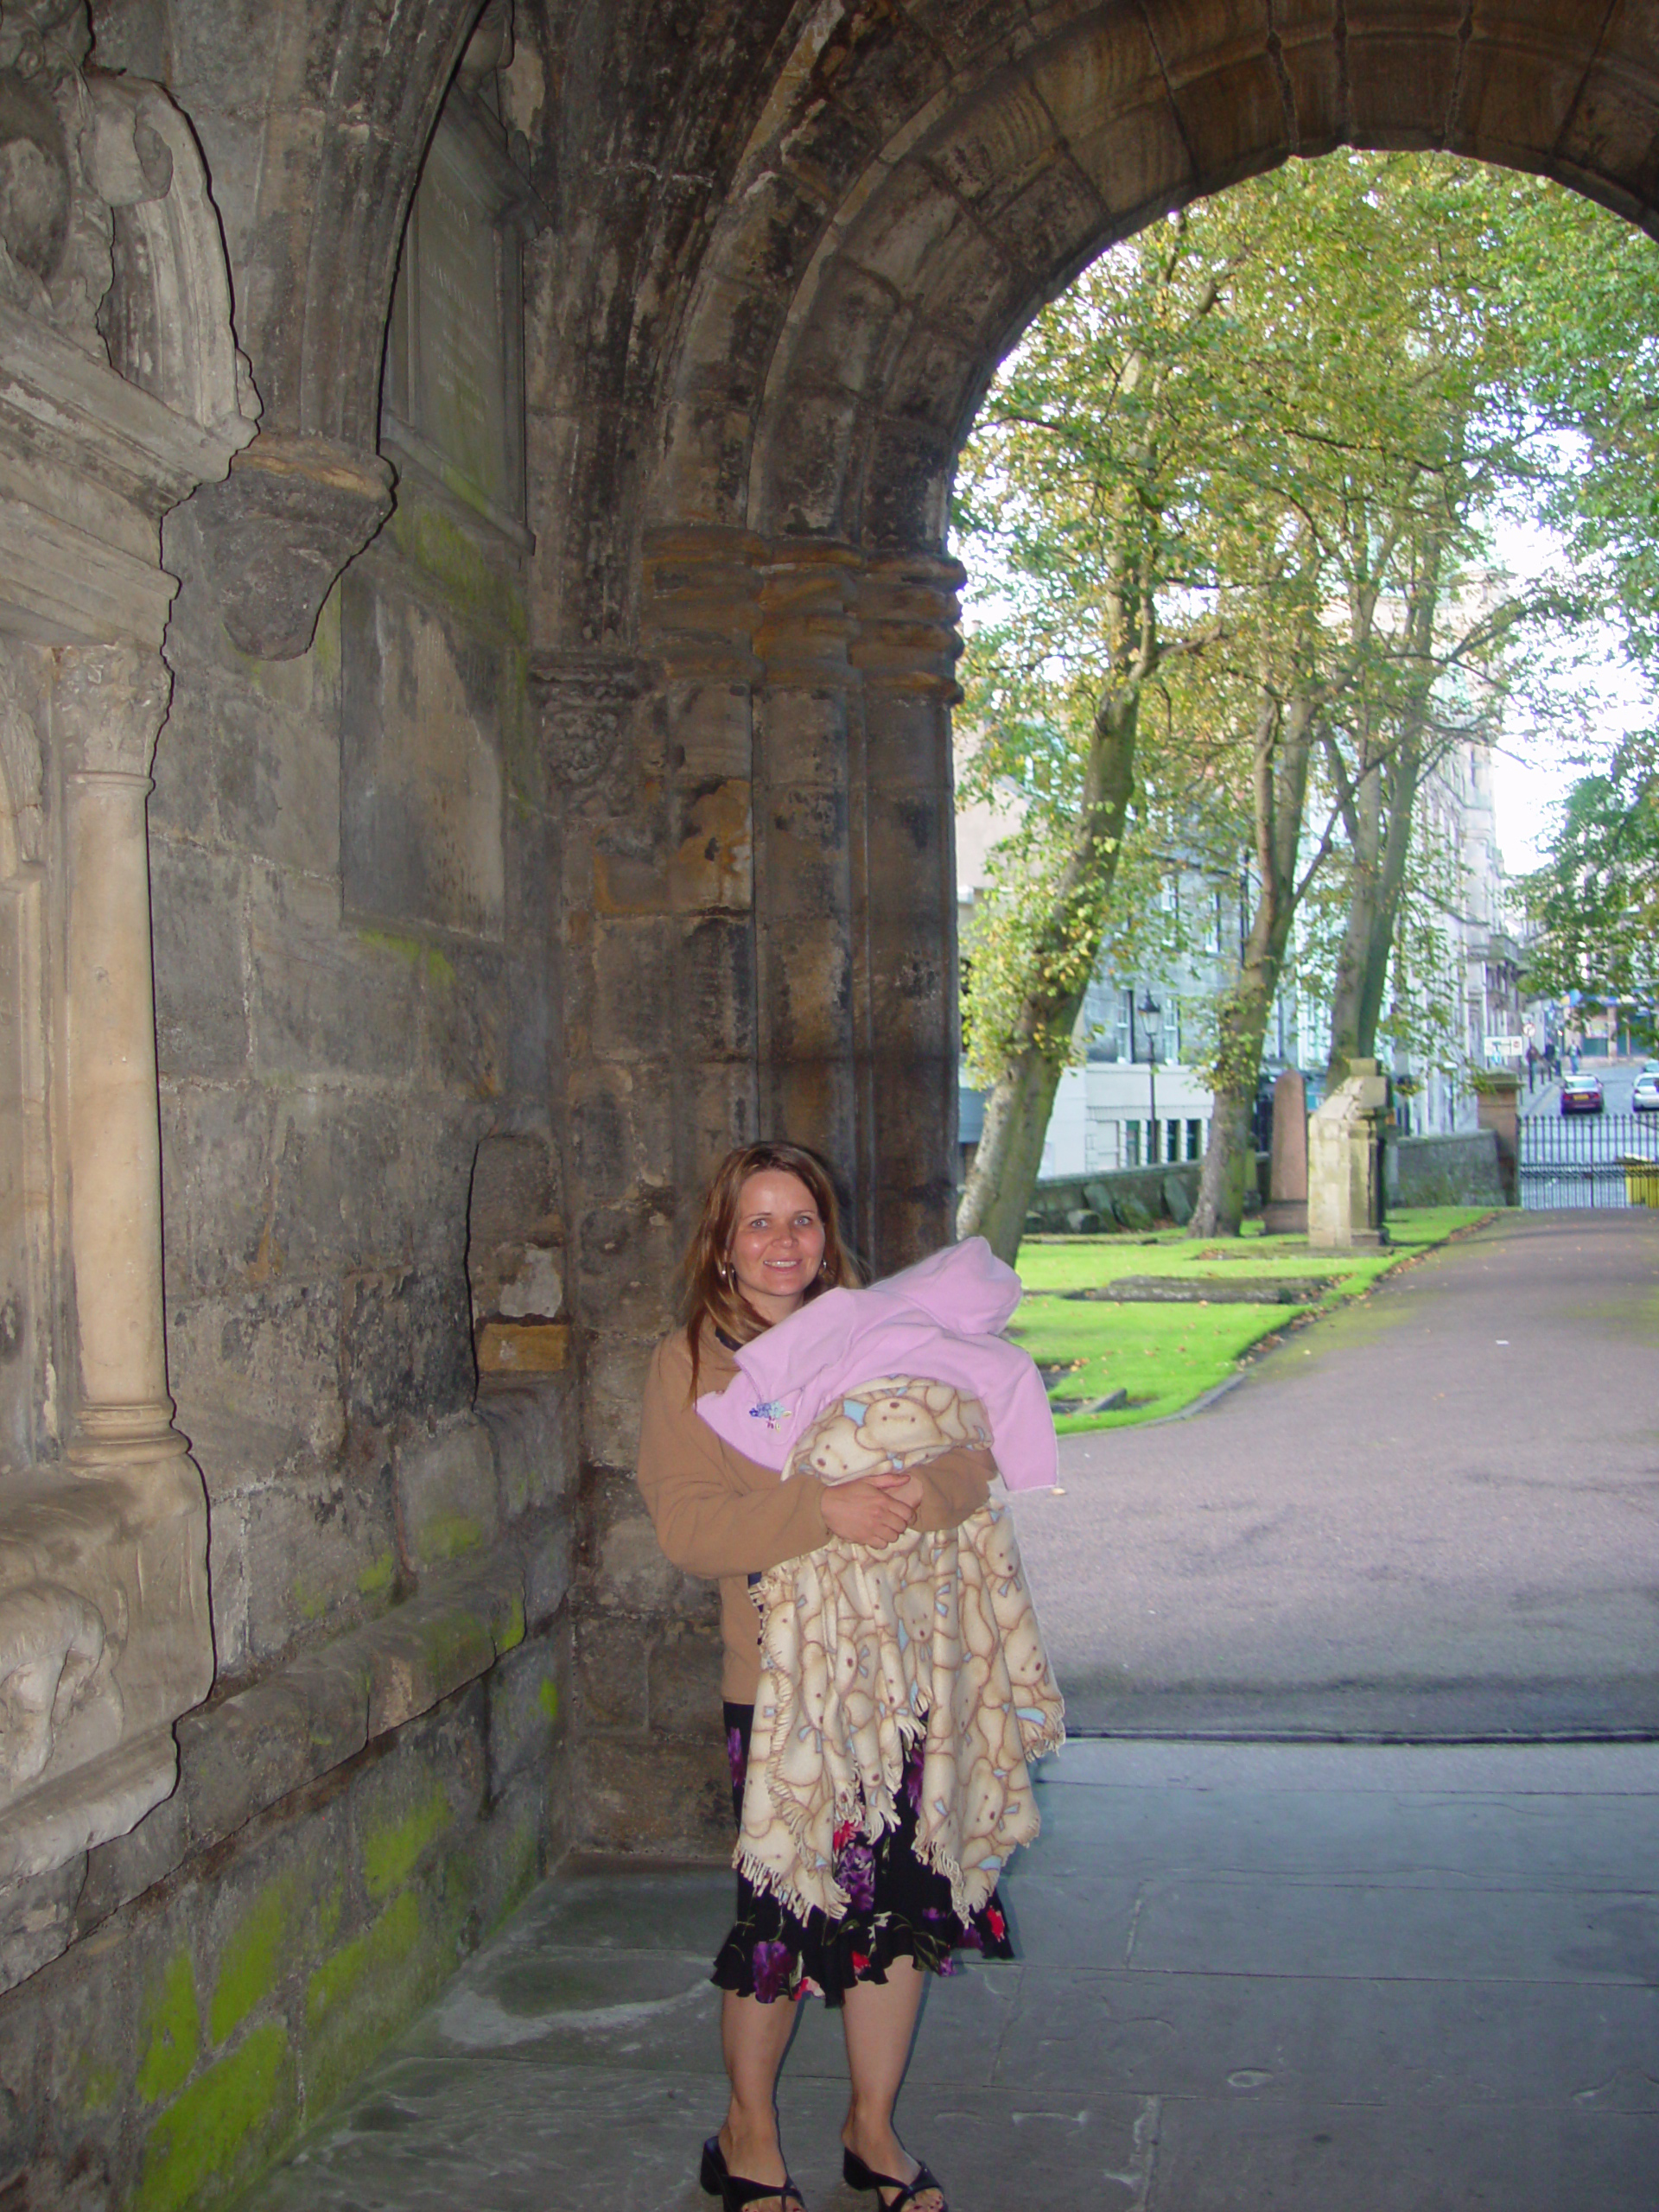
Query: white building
[1136, 1098]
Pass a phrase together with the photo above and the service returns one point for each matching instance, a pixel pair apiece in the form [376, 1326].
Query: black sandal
[734, 2190]
[857, 2175]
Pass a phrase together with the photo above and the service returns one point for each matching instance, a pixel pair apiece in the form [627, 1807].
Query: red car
[1581, 1094]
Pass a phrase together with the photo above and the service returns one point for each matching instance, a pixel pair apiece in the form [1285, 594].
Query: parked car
[1644, 1098]
[1581, 1094]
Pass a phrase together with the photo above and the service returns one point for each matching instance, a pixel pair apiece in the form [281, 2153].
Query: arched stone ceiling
[926, 177]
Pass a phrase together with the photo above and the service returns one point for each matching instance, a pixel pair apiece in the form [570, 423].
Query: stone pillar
[109, 706]
[1497, 1105]
[1286, 1211]
[1345, 1181]
[807, 714]
[904, 904]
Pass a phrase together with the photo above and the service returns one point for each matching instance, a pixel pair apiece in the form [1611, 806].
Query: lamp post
[1150, 1009]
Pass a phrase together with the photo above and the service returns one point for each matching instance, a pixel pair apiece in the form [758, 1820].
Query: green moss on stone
[384, 1945]
[449, 1535]
[195, 2148]
[390, 1854]
[169, 2030]
[452, 558]
[249, 1964]
[372, 1988]
[310, 1602]
[513, 1634]
[427, 958]
[548, 1698]
[376, 1575]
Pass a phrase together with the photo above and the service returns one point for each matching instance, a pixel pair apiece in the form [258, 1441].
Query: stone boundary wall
[1124, 1197]
[1450, 1171]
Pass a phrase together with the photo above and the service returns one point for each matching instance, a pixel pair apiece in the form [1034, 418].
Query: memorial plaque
[453, 399]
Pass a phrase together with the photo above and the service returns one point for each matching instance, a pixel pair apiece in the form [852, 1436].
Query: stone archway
[856, 301]
[920, 181]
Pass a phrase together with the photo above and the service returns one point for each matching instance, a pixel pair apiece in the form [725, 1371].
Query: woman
[766, 1242]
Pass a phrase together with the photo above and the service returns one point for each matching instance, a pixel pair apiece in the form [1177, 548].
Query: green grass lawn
[1167, 1355]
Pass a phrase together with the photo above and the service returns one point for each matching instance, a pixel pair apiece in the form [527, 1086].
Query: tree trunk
[1284, 741]
[1381, 831]
[998, 1193]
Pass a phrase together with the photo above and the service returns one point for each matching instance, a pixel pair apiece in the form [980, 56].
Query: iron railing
[1589, 1160]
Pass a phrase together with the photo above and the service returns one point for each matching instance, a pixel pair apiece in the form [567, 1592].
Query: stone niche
[121, 390]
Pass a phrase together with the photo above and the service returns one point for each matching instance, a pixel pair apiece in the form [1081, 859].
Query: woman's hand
[874, 1510]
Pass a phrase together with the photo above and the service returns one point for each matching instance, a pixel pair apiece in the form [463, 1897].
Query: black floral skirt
[897, 1909]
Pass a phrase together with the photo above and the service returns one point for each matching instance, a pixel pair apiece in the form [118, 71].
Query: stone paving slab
[1314, 1979]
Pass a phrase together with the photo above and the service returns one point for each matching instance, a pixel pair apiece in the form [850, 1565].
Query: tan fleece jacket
[719, 1515]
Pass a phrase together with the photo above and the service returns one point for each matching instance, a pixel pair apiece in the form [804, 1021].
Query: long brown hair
[711, 1298]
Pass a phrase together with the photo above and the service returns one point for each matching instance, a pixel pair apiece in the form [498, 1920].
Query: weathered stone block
[421, 802]
[615, 1375]
[405, 1339]
[715, 985]
[550, 1569]
[531, 1349]
[467, 1022]
[684, 1676]
[37, 1919]
[526, 1710]
[633, 992]
[197, 904]
[709, 731]
[324, 998]
[446, 1490]
[276, 1909]
[658, 1796]
[125, 1867]
[613, 1670]
[216, 1148]
[533, 1432]
[270, 1355]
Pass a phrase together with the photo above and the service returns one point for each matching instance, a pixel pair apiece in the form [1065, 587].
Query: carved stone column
[907, 651]
[110, 704]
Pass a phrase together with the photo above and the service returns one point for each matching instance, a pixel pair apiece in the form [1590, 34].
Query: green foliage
[1595, 902]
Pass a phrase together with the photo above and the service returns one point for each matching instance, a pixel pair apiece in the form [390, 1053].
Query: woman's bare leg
[880, 2019]
[754, 2037]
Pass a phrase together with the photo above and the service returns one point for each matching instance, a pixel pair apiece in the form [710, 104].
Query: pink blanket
[939, 1318]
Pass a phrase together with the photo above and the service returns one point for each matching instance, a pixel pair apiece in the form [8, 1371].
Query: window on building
[1131, 1144]
[1195, 1140]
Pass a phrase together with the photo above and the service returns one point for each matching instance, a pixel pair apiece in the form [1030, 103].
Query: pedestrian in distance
[767, 1240]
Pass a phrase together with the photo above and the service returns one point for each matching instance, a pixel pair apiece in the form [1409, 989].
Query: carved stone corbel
[279, 529]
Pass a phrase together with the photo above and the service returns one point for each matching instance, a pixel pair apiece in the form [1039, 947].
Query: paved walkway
[1434, 1514]
[1320, 1978]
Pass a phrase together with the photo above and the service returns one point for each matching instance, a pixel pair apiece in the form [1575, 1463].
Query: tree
[1081, 488]
[1595, 902]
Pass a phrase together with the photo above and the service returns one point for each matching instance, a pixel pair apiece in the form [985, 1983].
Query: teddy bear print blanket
[864, 1648]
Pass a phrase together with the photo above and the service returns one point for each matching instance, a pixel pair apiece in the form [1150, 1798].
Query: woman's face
[777, 1245]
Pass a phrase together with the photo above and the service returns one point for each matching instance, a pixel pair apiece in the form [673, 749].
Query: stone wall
[1124, 1199]
[1454, 1170]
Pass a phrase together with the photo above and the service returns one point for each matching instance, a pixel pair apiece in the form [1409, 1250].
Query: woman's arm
[952, 1486]
[716, 1512]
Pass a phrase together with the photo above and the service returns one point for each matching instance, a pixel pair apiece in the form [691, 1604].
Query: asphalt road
[1433, 1516]
[1618, 1080]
